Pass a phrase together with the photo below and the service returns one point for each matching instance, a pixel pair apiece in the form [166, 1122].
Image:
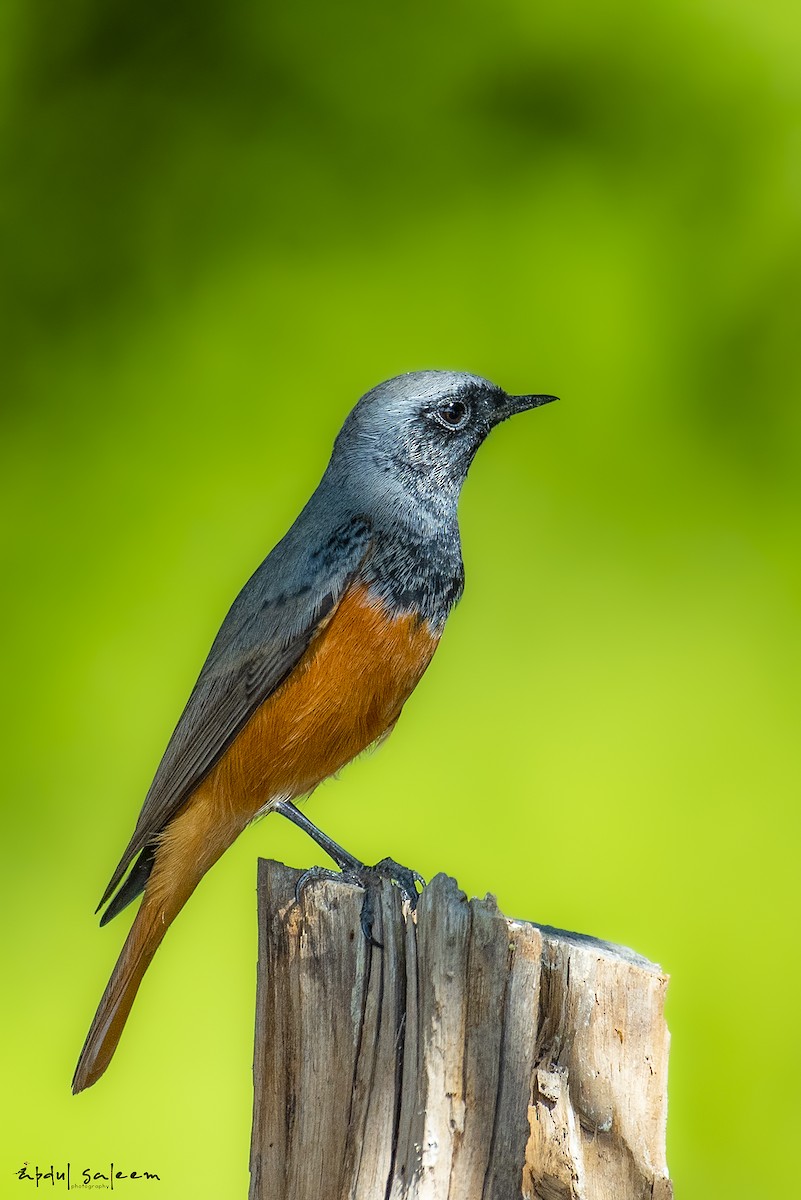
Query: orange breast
[347, 690]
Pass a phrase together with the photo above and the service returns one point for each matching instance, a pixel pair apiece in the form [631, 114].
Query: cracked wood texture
[472, 1057]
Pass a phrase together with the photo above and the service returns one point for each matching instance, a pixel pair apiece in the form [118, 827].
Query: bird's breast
[344, 694]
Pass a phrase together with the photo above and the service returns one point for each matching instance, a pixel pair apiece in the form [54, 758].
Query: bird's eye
[453, 415]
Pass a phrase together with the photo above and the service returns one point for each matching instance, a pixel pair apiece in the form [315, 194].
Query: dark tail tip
[133, 886]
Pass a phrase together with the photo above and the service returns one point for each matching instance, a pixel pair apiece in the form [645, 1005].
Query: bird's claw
[311, 876]
[405, 879]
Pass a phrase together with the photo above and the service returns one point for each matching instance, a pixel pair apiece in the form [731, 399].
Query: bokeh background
[221, 223]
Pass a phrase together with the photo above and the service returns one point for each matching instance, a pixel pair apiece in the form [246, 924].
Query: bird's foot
[404, 878]
[368, 878]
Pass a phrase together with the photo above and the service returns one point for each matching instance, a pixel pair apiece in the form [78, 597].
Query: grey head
[388, 499]
[413, 438]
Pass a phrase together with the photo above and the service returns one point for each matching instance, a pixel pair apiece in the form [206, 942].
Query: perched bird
[314, 661]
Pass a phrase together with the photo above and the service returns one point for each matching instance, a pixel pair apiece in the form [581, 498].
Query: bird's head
[419, 432]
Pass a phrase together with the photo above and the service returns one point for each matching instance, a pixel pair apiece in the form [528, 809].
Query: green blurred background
[220, 225]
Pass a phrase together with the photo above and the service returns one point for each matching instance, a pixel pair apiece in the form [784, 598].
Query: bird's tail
[185, 850]
[141, 944]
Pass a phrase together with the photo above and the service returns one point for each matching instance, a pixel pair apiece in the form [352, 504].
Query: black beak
[520, 404]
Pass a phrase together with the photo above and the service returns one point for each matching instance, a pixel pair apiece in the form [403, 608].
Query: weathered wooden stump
[472, 1058]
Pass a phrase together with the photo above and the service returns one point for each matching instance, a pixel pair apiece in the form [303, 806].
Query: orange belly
[347, 690]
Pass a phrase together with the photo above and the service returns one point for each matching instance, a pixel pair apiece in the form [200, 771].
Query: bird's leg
[344, 860]
[352, 869]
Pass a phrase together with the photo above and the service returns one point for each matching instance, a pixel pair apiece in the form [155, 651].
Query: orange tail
[141, 944]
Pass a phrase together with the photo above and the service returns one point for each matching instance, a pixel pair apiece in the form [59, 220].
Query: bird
[313, 662]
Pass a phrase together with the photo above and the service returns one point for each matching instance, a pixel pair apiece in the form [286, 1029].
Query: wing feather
[266, 632]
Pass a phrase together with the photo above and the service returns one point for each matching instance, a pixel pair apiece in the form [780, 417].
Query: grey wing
[266, 632]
